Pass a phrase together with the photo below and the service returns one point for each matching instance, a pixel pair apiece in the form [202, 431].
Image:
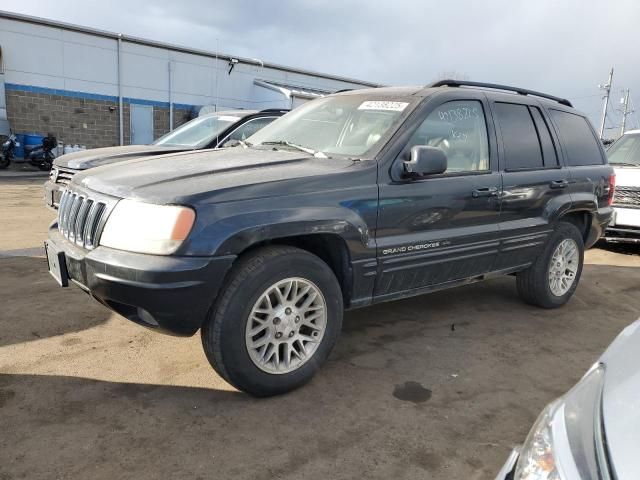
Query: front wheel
[276, 321]
[553, 278]
[4, 162]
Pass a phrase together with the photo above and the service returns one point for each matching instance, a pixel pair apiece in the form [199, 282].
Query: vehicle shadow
[622, 248]
[35, 307]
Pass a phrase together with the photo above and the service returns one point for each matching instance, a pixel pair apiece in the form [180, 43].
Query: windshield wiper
[297, 147]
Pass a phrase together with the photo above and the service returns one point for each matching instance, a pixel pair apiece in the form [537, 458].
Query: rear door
[535, 183]
[445, 227]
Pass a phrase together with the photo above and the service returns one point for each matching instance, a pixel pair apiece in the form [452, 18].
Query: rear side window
[581, 145]
[519, 136]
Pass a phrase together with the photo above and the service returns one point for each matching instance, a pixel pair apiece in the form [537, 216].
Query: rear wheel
[553, 278]
[276, 321]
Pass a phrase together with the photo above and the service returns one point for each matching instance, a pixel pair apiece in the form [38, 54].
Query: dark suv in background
[211, 130]
[353, 199]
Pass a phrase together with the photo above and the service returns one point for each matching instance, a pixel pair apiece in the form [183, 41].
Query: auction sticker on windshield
[383, 105]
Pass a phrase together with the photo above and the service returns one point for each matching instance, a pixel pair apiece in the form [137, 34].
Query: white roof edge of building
[178, 48]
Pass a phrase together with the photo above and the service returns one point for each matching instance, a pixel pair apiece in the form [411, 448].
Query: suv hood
[627, 176]
[621, 412]
[96, 157]
[197, 176]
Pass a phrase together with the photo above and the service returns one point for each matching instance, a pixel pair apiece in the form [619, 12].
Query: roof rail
[495, 86]
[275, 110]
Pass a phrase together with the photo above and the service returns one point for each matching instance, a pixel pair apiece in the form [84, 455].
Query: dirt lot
[434, 387]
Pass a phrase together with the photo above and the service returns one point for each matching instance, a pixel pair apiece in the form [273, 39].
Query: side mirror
[425, 161]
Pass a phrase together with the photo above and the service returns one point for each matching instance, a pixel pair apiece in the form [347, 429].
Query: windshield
[626, 151]
[199, 132]
[343, 125]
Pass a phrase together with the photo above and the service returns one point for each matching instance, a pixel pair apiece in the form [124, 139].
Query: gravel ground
[434, 387]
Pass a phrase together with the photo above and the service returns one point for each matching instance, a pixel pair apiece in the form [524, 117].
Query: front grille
[627, 196]
[63, 177]
[80, 219]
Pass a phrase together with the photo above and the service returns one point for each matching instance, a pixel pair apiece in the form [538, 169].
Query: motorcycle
[43, 156]
[6, 155]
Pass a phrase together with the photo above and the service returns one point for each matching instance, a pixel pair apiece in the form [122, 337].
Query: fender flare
[247, 229]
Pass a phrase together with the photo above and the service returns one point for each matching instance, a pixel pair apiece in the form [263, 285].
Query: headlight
[537, 461]
[564, 442]
[147, 228]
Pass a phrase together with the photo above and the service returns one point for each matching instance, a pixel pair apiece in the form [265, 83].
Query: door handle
[559, 184]
[485, 192]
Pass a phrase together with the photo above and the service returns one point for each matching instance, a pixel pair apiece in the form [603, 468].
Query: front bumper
[624, 226]
[165, 293]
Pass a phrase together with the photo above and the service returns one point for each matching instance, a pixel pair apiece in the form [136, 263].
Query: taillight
[612, 188]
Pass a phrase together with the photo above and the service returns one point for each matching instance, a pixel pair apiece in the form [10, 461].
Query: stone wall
[94, 123]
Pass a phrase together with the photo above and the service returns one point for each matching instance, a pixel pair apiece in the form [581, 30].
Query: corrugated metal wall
[56, 58]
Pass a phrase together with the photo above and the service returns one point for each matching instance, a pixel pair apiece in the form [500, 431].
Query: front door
[141, 124]
[442, 228]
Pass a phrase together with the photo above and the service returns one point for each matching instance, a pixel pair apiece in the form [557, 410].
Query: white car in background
[624, 156]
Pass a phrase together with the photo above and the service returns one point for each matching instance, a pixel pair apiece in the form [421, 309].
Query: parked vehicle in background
[593, 431]
[211, 130]
[352, 199]
[624, 156]
[42, 156]
[7, 153]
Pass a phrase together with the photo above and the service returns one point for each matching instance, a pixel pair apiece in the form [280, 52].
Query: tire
[535, 286]
[4, 162]
[226, 337]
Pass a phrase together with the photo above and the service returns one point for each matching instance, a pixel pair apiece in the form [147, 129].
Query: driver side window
[460, 130]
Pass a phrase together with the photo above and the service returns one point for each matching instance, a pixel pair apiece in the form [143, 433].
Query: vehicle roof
[632, 132]
[426, 90]
[234, 113]
[392, 91]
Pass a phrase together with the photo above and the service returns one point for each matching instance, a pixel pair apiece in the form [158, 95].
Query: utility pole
[607, 89]
[625, 111]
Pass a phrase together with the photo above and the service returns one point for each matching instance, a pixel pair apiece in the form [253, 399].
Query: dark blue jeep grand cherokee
[353, 199]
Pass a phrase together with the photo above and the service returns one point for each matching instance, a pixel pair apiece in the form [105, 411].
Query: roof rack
[495, 86]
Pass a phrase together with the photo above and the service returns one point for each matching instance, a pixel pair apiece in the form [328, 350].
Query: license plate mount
[57, 264]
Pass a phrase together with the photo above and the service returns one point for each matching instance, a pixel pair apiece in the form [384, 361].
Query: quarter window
[578, 138]
[519, 137]
[460, 130]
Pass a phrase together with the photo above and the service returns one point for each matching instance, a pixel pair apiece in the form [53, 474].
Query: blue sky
[562, 47]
